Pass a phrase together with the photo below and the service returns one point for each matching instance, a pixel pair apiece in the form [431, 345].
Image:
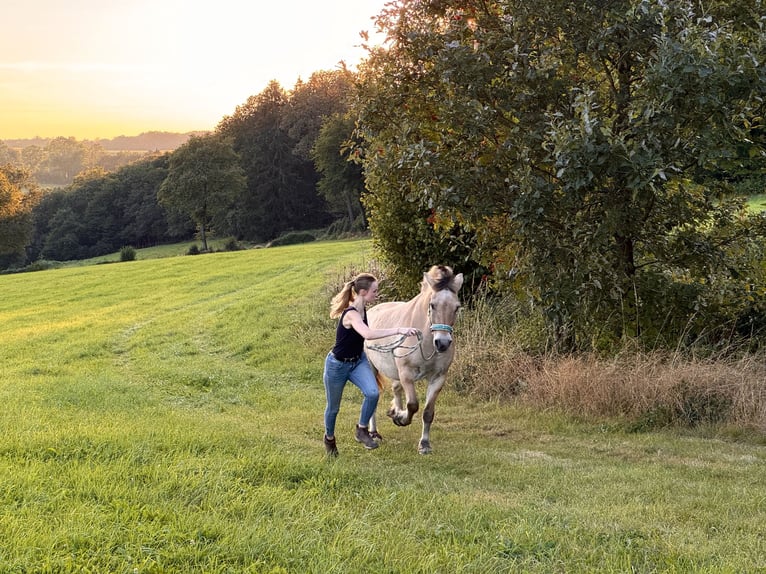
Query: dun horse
[404, 362]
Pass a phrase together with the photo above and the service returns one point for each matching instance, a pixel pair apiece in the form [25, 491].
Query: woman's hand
[408, 331]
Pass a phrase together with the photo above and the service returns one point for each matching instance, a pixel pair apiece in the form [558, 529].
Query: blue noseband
[441, 327]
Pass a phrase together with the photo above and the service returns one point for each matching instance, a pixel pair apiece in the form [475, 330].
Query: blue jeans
[336, 374]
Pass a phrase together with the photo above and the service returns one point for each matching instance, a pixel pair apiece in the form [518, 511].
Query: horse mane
[442, 277]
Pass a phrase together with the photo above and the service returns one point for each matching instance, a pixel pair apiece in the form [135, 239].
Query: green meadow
[165, 415]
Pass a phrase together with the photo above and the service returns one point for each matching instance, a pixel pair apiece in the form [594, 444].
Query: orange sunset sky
[99, 69]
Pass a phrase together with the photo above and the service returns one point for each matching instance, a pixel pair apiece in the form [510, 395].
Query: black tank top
[348, 343]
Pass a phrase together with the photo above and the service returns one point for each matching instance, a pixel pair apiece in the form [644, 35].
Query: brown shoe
[330, 447]
[362, 435]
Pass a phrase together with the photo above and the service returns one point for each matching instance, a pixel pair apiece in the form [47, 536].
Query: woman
[347, 361]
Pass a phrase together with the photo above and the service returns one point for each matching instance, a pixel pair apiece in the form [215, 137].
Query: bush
[193, 250]
[232, 245]
[127, 253]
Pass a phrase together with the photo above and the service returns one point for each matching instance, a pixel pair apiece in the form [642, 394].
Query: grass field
[165, 415]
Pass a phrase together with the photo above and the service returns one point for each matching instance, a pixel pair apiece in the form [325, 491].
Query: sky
[93, 69]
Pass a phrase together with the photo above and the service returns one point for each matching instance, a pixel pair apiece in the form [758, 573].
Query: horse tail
[380, 379]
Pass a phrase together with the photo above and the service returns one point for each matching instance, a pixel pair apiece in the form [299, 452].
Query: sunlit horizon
[90, 70]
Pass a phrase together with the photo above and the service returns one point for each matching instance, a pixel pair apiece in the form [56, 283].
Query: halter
[437, 326]
[441, 327]
[399, 343]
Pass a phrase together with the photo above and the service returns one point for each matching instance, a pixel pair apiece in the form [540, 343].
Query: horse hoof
[397, 419]
[424, 447]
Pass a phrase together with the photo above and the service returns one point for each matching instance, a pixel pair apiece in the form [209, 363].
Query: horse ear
[457, 282]
[427, 279]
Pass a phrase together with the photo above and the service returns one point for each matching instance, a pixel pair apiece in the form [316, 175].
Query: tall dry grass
[645, 389]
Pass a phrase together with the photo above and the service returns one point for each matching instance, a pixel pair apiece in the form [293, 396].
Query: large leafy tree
[571, 146]
[204, 180]
[18, 196]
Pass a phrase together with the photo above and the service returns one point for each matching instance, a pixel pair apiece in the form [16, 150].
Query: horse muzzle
[442, 343]
[442, 337]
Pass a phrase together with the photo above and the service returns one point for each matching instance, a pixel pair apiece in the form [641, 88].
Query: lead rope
[399, 344]
[409, 349]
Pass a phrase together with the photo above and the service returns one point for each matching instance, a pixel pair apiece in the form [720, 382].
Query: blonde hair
[342, 300]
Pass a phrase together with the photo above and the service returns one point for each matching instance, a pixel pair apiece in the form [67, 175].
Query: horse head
[443, 304]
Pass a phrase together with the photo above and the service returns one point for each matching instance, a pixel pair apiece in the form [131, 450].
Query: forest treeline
[583, 159]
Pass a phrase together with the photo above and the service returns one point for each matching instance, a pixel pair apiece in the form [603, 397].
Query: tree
[341, 182]
[18, 196]
[145, 221]
[281, 186]
[310, 103]
[570, 145]
[32, 157]
[7, 155]
[65, 158]
[102, 219]
[63, 241]
[204, 179]
[44, 212]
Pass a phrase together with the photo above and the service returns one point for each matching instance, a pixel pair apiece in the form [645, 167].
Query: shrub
[127, 253]
[232, 245]
[193, 250]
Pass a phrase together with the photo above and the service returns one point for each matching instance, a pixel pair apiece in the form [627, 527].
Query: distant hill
[147, 141]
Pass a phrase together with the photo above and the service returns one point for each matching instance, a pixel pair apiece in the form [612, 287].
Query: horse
[410, 359]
